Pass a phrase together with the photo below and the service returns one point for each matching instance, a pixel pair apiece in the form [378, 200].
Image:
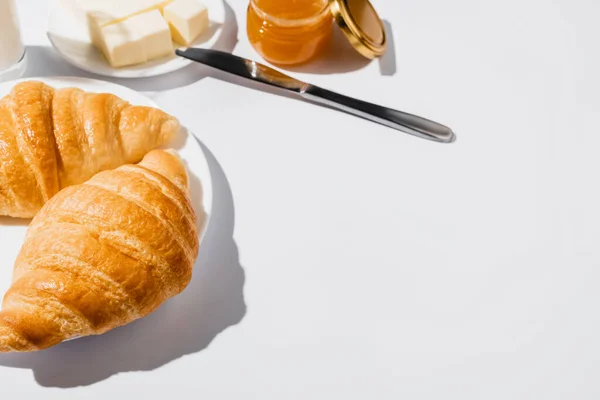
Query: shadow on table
[186, 324]
[45, 61]
[342, 57]
[387, 62]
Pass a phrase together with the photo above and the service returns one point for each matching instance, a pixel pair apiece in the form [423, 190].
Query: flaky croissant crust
[51, 139]
[102, 254]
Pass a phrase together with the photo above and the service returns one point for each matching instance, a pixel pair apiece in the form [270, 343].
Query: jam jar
[289, 32]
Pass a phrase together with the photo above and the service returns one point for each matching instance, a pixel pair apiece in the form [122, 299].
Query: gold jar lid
[362, 26]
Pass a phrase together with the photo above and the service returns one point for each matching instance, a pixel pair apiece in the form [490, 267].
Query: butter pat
[121, 44]
[187, 20]
[154, 33]
[136, 40]
[100, 13]
[104, 12]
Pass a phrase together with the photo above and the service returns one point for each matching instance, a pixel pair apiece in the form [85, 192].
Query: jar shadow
[387, 62]
[340, 57]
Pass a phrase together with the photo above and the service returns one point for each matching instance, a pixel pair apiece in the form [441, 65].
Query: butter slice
[155, 34]
[136, 40]
[105, 12]
[122, 44]
[101, 13]
[187, 20]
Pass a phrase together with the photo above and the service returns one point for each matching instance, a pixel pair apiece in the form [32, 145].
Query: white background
[348, 260]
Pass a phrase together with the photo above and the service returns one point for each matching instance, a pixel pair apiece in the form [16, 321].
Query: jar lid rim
[364, 43]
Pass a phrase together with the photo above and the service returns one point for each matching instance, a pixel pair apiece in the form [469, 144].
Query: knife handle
[395, 119]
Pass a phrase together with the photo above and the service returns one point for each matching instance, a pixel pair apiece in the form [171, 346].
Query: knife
[255, 71]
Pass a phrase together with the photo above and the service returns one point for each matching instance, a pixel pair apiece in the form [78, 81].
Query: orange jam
[289, 32]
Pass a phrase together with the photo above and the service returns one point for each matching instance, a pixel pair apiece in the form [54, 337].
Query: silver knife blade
[255, 71]
[243, 67]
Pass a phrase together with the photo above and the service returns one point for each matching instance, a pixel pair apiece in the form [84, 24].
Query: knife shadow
[262, 87]
[184, 325]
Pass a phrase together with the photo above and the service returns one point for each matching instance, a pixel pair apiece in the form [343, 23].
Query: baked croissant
[51, 139]
[102, 254]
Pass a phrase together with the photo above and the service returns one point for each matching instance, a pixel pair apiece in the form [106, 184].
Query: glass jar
[12, 51]
[288, 32]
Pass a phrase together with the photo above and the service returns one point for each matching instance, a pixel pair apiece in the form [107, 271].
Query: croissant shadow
[186, 324]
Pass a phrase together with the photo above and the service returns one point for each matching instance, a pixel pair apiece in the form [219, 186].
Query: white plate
[69, 35]
[12, 230]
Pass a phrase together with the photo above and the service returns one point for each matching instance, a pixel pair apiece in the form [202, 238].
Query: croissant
[51, 139]
[102, 254]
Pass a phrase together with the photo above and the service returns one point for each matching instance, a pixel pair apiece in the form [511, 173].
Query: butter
[105, 12]
[187, 20]
[101, 13]
[122, 44]
[154, 32]
[132, 32]
[136, 40]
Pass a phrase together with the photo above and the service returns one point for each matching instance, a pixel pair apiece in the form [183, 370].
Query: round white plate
[12, 230]
[68, 33]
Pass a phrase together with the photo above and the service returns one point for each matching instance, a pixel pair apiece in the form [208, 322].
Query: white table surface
[350, 261]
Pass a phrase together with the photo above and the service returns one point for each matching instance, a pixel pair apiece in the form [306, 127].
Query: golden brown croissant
[102, 254]
[51, 139]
